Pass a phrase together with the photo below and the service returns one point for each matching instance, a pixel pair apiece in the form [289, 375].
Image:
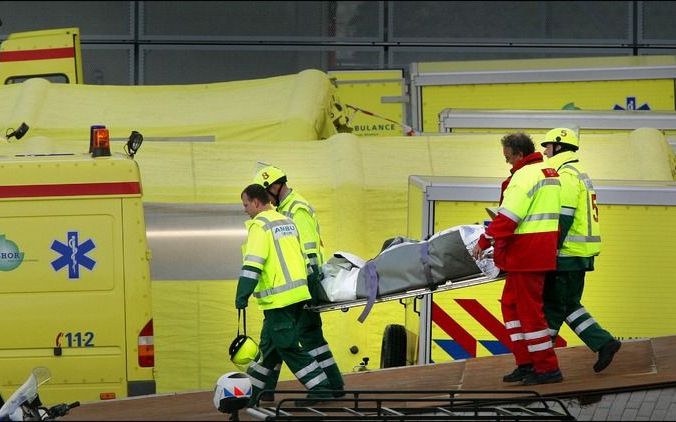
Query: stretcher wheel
[393, 350]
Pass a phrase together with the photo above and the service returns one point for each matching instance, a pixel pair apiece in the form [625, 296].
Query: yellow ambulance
[52, 54]
[75, 291]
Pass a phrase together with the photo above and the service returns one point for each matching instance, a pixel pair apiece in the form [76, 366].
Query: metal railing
[418, 405]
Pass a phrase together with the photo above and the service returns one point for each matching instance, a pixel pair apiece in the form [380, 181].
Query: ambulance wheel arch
[393, 350]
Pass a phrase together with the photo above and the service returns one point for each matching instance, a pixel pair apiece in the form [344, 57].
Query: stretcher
[405, 268]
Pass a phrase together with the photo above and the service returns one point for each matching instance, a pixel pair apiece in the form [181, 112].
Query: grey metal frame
[450, 119]
[115, 47]
[195, 241]
[640, 29]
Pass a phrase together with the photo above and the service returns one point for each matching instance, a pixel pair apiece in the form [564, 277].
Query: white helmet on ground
[232, 392]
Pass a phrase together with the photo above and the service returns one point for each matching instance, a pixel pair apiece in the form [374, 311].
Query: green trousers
[562, 302]
[312, 339]
[280, 343]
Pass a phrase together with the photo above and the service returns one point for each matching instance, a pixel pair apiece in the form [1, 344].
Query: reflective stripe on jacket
[525, 231]
[578, 199]
[273, 247]
[303, 215]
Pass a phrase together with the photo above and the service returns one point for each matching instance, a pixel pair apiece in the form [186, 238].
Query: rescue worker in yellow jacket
[291, 204]
[274, 271]
[524, 234]
[579, 243]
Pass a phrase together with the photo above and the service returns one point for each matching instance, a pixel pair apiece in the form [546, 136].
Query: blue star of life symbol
[631, 105]
[73, 255]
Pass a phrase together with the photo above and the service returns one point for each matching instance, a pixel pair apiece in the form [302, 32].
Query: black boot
[339, 392]
[267, 396]
[542, 378]
[519, 373]
[606, 355]
[312, 399]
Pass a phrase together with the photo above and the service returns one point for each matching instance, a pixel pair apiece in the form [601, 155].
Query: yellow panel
[632, 290]
[176, 321]
[363, 90]
[657, 94]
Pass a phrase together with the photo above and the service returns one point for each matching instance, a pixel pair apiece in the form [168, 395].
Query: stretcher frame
[420, 292]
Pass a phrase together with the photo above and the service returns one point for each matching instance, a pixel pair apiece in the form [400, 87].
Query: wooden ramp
[639, 365]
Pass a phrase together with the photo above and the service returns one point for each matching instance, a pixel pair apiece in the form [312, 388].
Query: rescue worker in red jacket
[514, 150]
[579, 243]
[524, 235]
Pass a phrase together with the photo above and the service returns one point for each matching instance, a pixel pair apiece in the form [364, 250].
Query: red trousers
[525, 321]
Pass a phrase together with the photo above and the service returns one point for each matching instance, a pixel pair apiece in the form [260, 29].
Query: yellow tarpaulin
[291, 107]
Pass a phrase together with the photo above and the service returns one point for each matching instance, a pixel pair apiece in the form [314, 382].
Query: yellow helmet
[268, 175]
[243, 351]
[561, 135]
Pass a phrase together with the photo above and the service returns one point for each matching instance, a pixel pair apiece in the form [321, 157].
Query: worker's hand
[241, 304]
[245, 287]
[477, 252]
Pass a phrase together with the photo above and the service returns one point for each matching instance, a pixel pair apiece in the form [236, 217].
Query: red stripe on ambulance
[39, 54]
[70, 189]
[486, 319]
[453, 329]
